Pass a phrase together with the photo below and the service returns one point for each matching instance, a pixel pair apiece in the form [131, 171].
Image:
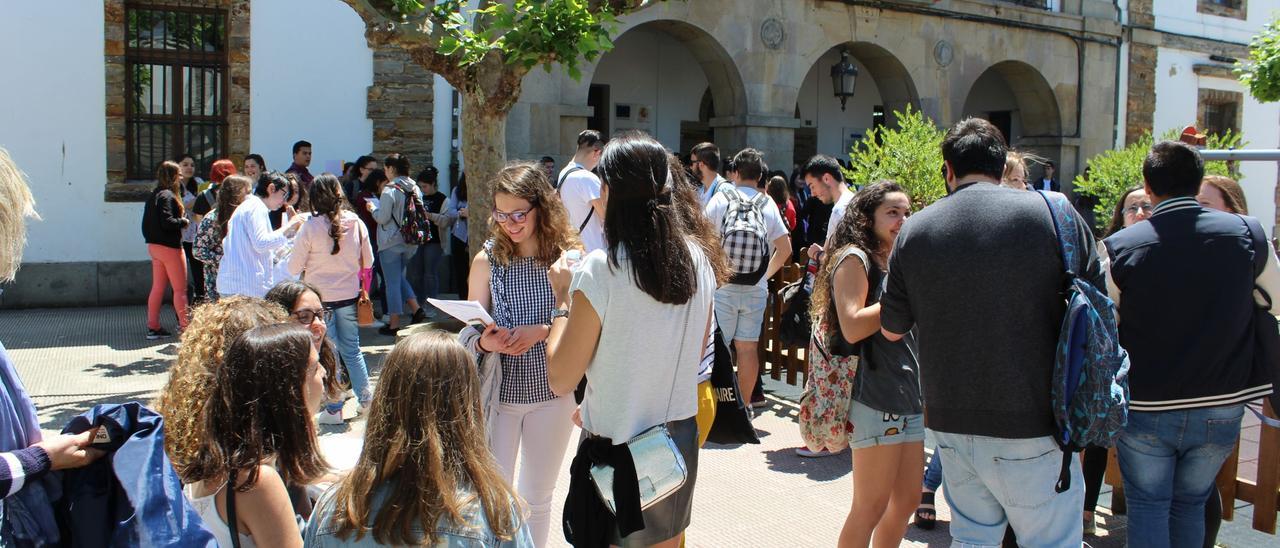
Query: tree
[1111, 174]
[910, 154]
[485, 53]
[1261, 74]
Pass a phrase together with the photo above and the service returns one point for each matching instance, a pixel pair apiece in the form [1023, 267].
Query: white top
[207, 508]
[774, 226]
[636, 357]
[837, 212]
[248, 250]
[577, 191]
[710, 190]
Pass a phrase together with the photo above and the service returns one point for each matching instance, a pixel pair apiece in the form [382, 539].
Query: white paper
[376, 203]
[469, 312]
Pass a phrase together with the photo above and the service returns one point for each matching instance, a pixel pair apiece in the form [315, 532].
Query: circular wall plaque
[772, 33]
[943, 53]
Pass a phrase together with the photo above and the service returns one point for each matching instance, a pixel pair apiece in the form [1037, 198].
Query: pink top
[336, 276]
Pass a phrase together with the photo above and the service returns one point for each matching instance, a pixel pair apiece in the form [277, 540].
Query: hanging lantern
[843, 77]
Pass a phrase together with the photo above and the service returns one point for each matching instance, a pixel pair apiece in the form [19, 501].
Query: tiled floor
[751, 495]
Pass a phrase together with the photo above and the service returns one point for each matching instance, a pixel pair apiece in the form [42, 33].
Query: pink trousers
[168, 269]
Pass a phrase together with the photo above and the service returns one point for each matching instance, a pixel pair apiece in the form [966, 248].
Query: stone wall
[400, 106]
[1140, 106]
[117, 188]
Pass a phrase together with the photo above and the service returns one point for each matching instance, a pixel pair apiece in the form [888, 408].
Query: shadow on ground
[53, 416]
[145, 366]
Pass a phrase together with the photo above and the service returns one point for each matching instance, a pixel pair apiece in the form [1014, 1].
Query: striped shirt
[248, 250]
[21, 467]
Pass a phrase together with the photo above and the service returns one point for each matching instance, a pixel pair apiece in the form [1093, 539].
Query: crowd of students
[607, 284]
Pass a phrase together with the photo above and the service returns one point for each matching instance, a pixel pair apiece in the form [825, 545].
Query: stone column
[401, 106]
[772, 135]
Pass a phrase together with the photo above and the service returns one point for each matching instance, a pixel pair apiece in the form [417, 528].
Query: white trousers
[543, 430]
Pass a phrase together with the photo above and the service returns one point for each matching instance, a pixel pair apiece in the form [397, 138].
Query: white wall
[1180, 16]
[310, 73]
[1177, 101]
[54, 125]
[818, 104]
[648, 67]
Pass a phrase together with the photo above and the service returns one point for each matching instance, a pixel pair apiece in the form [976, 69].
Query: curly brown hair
[183, 399]
[856, 229]
[553, 231]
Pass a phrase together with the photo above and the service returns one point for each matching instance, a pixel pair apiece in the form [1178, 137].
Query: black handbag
[732, 424]
[794, 327]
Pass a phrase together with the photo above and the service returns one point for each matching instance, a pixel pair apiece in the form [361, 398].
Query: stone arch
[725, 81]
[896, 85]
[1035, 100]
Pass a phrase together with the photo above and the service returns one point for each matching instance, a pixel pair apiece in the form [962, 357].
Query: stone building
[1066, 79]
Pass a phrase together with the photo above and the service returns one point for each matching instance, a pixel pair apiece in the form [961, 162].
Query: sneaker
[377, 324]
[807, 453]
[388, 331]
[363, 409]
[155, 334]
[758, 403]
[330, 417]
[1091, 526]
[420, 316]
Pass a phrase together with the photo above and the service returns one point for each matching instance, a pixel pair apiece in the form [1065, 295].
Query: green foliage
[525, 32]
[1261, 74]
[910, 154]
[1113, 172]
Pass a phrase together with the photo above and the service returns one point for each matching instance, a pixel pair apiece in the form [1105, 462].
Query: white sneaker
[363, 409]
[807, 453]
[329, 417]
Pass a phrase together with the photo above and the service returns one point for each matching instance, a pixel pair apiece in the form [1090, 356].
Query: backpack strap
[1064, 229]
[565, 175]
[1261, 252]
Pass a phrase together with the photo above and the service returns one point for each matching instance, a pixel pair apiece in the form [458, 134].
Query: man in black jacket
[1184, 283]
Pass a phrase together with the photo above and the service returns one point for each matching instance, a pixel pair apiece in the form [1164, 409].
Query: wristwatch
[559, 313]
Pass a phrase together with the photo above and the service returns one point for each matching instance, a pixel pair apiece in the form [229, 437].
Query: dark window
[598, 100]
[176, 86]
[1220, 117]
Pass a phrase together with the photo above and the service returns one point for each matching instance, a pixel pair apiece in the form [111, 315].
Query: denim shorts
[872, 427]
[740, 311]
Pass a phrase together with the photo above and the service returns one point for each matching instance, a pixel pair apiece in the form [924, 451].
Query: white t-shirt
[774, 226]
[837, 212]
[640, 349]
[577, 191]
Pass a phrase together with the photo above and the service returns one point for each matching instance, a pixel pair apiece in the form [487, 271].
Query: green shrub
[1113, 172]
[910, 154]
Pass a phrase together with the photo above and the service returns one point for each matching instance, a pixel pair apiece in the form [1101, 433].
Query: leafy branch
[1261, 74]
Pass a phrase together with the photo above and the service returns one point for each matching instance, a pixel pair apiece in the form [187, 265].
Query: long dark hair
[258, 410]
[856, 229]
[1117, 216]
[353, 174]
[461, 189]
[286, 294]
[232, 192]
[327, 201]
[375, 178]
[642, 220]
[168, 177]
[425, 439]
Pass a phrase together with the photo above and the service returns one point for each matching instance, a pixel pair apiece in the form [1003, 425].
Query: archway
[1017, 99]
[883, 86]
[669, 78]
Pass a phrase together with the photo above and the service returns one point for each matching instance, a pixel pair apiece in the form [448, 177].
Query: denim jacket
[475, 533]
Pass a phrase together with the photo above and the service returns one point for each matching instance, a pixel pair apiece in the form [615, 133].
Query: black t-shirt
[206, 201]
[435, 204]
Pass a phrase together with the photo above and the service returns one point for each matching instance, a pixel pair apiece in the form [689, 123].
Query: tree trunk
[484, 150]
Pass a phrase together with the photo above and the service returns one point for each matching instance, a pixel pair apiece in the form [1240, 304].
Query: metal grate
[176, 86]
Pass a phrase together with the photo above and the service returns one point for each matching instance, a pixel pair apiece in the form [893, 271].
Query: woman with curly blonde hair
[529, 229]
[184, 398]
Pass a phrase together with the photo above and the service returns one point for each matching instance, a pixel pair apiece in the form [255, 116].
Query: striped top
[248, 251]
[521, 295]
[21, 467]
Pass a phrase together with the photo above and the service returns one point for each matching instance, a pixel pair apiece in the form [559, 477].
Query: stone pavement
[750, 495]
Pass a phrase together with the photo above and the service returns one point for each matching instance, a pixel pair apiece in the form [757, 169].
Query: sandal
[926, 514]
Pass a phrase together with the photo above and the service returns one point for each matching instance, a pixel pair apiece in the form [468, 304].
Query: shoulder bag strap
[1062, 233]
[232, 524]
[571, 171]
[591, 210]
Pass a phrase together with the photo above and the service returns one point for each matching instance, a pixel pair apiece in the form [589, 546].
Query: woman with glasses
[329, 253]
[529, 229]
[302, 301]
[353, 179]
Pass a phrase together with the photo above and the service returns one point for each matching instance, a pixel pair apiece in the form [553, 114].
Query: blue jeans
[424, 270]
[1169, 460]
[933, 472]
[394, 261]
[345, 334]
[993, 482]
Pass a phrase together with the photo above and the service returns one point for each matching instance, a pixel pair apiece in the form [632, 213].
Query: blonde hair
[1013, 159]
[553, 231]
[184, 398]
[16, 205]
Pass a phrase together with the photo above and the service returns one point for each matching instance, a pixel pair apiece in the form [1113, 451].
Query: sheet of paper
[469, 312]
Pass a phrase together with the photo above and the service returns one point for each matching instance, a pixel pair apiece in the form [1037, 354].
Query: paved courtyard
[750, 495]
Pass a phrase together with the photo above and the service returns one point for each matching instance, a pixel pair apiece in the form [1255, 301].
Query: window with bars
[1219, 111]
[176, 86]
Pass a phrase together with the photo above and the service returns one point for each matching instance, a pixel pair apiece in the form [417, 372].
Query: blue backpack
[1090, 368]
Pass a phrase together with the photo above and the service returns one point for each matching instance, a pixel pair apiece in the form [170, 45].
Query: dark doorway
[598, 100]
[1003, 120]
